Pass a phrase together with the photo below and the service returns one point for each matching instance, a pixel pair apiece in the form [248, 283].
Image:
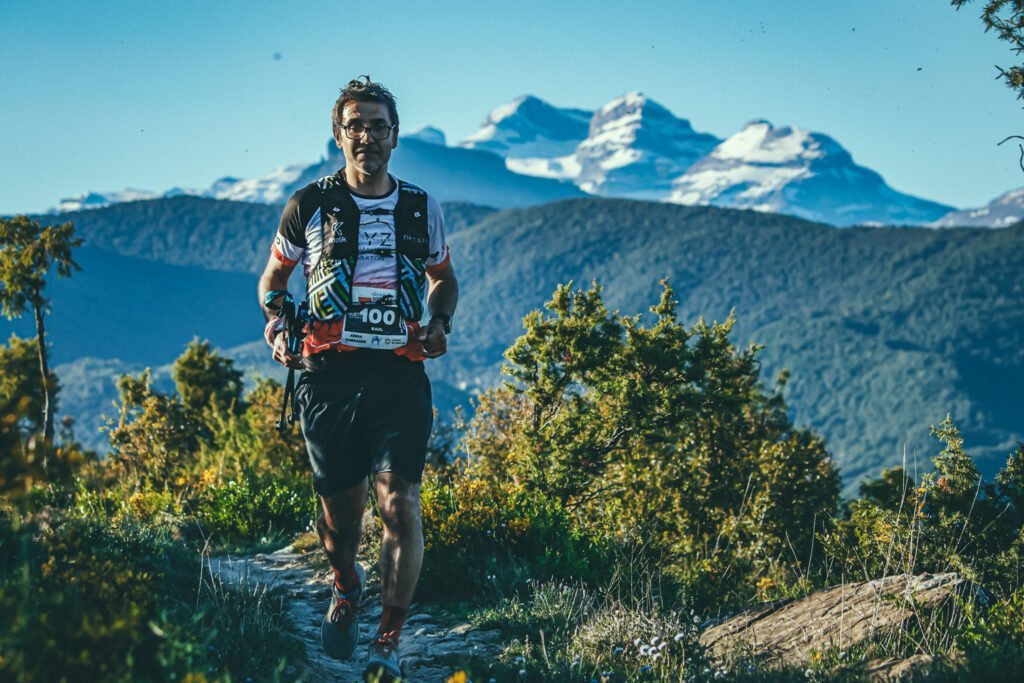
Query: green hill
[884, 330]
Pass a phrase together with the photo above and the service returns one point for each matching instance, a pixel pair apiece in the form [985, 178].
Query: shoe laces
[344, 608]
[386, 642]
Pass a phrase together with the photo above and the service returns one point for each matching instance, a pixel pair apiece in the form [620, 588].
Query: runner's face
[366, 155]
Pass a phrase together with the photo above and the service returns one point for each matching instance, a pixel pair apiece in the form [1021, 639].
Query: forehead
[366, 111]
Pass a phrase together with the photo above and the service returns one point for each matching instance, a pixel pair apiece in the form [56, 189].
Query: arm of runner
[441, 301]
[275, 277]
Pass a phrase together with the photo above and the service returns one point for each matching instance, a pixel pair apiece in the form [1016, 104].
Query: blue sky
[153, 95]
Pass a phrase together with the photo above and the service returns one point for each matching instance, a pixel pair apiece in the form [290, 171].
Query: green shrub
[952, 521]
[485, 539]
[992, 641]
[247, 509]
[86, 600]
[660, 430]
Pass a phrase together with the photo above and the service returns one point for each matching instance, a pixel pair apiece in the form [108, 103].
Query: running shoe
[339, 632]
[384, 665]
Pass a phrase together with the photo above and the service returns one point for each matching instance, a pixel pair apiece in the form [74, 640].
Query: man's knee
[399, 507]
[342, 511]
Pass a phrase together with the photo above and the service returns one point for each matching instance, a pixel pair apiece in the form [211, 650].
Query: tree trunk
[45, 372]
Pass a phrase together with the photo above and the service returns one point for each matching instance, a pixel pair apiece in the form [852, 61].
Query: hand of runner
[434, 340]
[283, 356]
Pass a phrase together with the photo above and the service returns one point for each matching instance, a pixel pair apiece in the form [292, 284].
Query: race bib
[374, 326]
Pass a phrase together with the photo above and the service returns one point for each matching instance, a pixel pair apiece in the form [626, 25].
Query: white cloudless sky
[153, 95]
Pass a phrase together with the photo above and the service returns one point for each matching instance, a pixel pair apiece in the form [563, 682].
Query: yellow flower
[210, 476]
[458, 677]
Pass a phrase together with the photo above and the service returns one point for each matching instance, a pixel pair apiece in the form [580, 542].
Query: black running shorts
[355, 426]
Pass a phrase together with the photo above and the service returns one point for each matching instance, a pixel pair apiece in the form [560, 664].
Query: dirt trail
[425, 639]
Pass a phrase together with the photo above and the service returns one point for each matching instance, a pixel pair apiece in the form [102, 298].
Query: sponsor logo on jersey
[338, 231]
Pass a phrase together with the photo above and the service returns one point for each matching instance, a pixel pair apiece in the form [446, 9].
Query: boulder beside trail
[902, 612]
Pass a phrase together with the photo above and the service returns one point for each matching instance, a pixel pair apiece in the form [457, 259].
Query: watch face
[446, 323]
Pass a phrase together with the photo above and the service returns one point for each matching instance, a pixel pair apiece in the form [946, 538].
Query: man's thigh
[397, 425]
[339, 452]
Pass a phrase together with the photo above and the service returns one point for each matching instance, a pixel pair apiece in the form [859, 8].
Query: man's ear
[394, 138]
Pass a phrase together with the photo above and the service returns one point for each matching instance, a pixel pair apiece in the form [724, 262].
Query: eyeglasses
[378, 131]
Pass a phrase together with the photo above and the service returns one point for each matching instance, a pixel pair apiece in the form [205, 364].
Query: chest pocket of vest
[329, 284]
[330, 287]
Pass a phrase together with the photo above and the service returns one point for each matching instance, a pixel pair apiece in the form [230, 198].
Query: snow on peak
[529, 127]
[760, 142]
[434, 136]
[97, 200]
[272, 188]
[792, 170]
[1003, 211]
[635, 147]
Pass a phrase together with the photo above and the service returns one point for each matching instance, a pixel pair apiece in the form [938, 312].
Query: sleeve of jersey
[440, 255]
[290, 241]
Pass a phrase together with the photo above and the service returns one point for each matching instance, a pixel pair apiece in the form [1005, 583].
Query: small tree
[28, 251]
[655, 427]
[207, 380]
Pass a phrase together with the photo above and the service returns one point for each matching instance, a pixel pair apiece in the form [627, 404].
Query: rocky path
[426, 639]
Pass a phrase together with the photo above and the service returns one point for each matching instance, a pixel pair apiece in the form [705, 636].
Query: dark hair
[360, 91]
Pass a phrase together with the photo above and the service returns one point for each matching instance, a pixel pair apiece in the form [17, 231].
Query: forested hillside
[883, 331]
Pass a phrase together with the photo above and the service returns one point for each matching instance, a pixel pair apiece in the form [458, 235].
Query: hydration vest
[330, 281]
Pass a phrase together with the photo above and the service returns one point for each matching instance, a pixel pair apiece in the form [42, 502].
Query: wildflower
[842, 655]
[808, 673]
[655, 640]
[616, 652]
[656, 657]
[520, 660]
[637, 642]
[522, 673]
[646, 670]
[679, 636]
[662, 645]
[458, 677]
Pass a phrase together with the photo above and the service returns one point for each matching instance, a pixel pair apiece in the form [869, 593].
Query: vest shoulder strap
[339, 219]
[411, 230]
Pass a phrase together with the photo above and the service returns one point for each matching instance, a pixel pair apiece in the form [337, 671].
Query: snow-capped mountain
[1003, 211]
[270, 189]
[795, 171]
[96, 200]
[528, 127]
[530, 152]
[634, 147]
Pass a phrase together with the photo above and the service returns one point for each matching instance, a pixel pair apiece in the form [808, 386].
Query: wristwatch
[446, 321]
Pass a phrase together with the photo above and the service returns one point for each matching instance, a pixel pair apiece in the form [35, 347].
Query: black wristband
[446, 321]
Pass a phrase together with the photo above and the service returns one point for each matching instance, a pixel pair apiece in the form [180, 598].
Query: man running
[370, 245]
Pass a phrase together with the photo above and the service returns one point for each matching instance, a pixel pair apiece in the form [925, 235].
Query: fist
[283, 356]
[434, 340]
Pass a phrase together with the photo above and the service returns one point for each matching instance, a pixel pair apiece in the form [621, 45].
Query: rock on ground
[841, 619]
